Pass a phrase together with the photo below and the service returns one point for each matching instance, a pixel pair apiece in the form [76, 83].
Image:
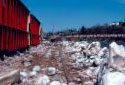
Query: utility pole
[53, 29]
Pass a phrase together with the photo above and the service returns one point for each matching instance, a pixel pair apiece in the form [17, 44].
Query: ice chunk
[51, 71]
[55, 83]
[63, 84]
[24, 74]
[103, 52]
[117, 50]
[33, 73]
[88, 83]
[113, 78]
[36, 68]
[42, 80]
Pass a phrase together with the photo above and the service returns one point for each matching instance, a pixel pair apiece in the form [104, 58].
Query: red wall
[0, 12]
[13, 21]
[13, 26]
[34, 30]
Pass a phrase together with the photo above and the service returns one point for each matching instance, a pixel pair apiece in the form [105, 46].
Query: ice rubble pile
[74, 47]
[40, 49]
[85, 53]
[114, 72]
[109, 62]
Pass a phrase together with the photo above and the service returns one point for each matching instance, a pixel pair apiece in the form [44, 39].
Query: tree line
[98, 29]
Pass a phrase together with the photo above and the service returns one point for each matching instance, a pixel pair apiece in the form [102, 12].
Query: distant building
[115, 24]
[122, 23]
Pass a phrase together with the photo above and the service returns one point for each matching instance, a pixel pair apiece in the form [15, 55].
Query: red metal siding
[13, 26]
[15, 14]
[34, 30]
[2, 39]
[0, 12]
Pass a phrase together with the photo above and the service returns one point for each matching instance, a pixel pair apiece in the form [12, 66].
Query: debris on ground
[67, 63]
